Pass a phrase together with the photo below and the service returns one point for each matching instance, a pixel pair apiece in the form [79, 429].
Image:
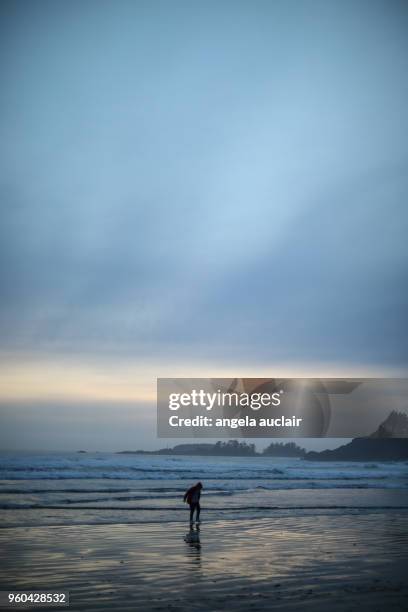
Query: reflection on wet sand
[238, 565]
[192, 537]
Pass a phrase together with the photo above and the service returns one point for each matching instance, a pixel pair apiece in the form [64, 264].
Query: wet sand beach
[349, 562]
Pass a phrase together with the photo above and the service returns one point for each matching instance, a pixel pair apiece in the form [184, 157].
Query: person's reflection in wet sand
[192, 538]
[195, 582]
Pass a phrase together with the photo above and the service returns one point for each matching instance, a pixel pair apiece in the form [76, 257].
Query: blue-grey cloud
[224, 178]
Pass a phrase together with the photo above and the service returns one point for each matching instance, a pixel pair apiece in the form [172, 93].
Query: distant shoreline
[359, 449]
[388, 443]
[232, 448]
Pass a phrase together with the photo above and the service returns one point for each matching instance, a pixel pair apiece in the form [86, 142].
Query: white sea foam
[67, 488]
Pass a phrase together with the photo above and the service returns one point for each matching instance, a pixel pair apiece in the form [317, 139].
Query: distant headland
[388, 443]
[232, 448]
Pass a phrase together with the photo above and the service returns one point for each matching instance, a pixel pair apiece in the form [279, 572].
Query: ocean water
[91, 488]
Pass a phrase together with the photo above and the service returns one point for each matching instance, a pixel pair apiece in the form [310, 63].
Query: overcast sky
[208, 188]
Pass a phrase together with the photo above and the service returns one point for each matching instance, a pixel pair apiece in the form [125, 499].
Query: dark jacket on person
[192, 496]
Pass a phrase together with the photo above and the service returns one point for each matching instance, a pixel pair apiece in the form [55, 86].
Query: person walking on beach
[192, 497]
